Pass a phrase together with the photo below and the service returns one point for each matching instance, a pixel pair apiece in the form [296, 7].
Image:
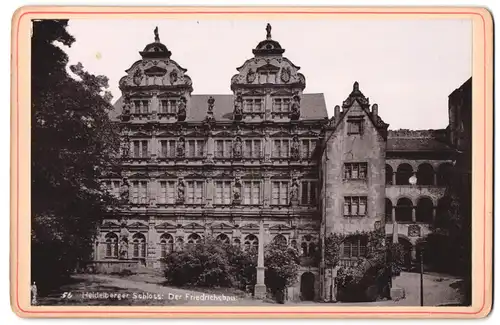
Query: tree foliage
[282, 266]
[369, 276]
[209, 264]
[73, 144]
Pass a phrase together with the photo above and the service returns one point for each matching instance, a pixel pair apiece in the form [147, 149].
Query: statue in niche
[237, 148]
[238, 103]
[181, 108]
[181, 147]
[181, 189]
[294, 191]
[124, 191]
[123, 248]
[251, 75]
[294, 149]
[296, 104]
[237, 191]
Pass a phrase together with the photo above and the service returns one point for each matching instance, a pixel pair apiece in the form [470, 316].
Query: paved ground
[146, 289]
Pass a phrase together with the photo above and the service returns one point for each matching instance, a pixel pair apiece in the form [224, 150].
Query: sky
[407, 67]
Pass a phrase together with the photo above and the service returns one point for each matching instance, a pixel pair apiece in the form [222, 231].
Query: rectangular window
[251, 192]
[113, 187]
[167, 148]
[281, 105]
[167, 192]
[355, 125]
[355, 170]
[139, 192]
[252, 105]
[252, 149]
[194, 192]
[223, 148]
[144, 149]
[355, 206]
[307, 147]
[140, 149]
[354, 247]
[281, 148]
[308, 192]
[222, 192]
[279, 193]
[195, 148]
[141, 106]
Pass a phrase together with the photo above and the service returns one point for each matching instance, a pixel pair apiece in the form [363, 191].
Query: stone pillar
[393, 214]
[210, 148]
[414, 253]
[268, 106]
[153, 147]
[267, 191]
[393, 178]
[395, 235]
[414, 214]
[209, 196]
[260, 287]
[151, 244]
[433, 214]
[267, 148]
[152, 192]
[434, 182]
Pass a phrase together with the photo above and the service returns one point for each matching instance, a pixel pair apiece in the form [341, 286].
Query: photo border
[482, 157]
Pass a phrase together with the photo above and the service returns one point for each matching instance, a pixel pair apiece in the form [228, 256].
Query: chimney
[337, 112]
[374, 110]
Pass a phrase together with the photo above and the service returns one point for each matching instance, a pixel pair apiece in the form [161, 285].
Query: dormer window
[267, 77]
[281, 105]
[252, 105]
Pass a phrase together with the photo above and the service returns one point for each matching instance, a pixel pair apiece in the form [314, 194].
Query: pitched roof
[417, 140]
[313, 107]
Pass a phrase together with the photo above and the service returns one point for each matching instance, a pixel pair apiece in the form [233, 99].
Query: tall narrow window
[222, 192]
[308, 192]
[139, 192]
[252, 148]
[167, 192]
[251, 192]
[281, 148]
[195, 148]
[194, 192]
[140, 149]
[223, 148]
[280, 193]
[111, 245]
[139, 245]
[166, 244]
[167, 148]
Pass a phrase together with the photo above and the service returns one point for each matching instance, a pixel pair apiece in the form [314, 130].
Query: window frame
[350, 202]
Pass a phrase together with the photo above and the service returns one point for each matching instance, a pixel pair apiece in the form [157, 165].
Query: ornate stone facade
[218, 165]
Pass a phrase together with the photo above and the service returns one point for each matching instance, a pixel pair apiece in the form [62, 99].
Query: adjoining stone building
[218, 165]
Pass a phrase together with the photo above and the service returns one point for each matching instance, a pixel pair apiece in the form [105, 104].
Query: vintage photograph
[251, 162]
